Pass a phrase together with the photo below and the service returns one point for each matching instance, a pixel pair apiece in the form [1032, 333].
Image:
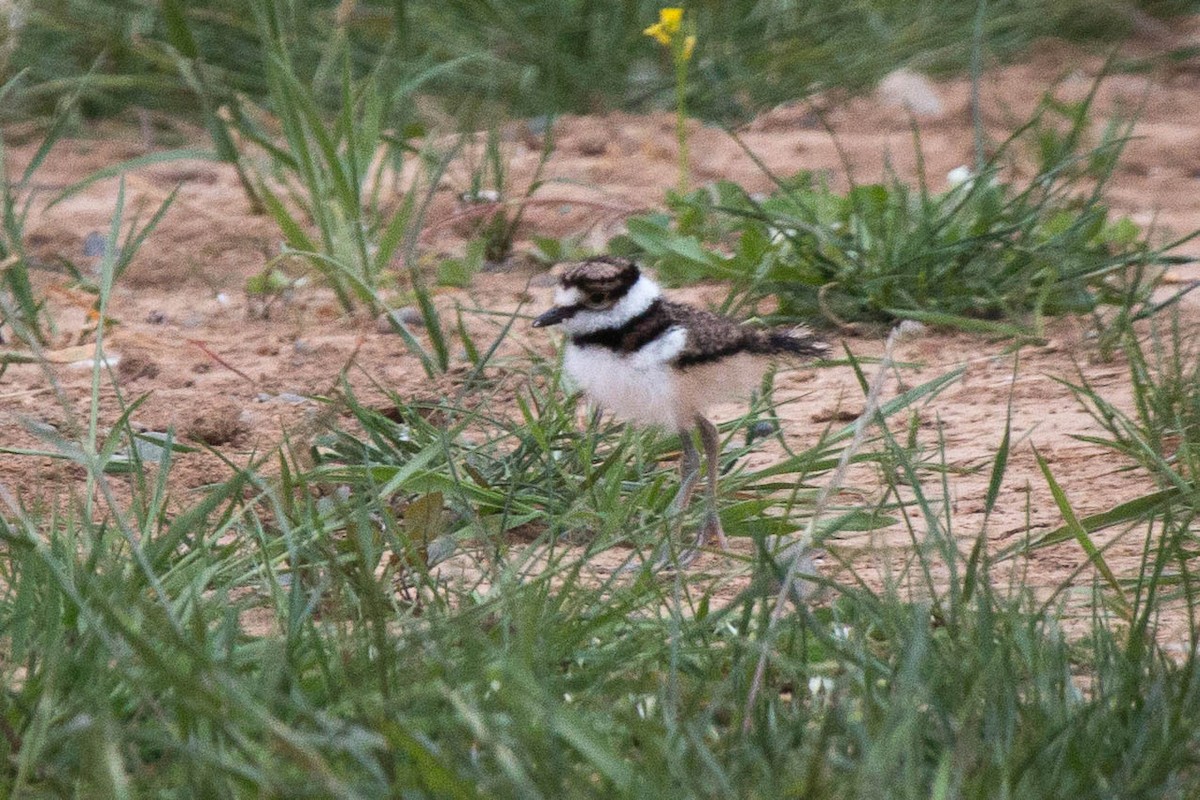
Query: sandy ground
[218, 373]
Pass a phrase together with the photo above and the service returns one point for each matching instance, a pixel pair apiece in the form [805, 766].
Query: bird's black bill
[554, 316]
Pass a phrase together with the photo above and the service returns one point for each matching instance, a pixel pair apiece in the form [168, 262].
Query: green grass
[528, 57]
[421, 602]
[295, 631]
[995, 254]
[409, 604]
[20, 304]
[1161, 436]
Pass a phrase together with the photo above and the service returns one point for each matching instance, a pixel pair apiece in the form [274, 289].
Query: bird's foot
[666, 561]
[711, 529]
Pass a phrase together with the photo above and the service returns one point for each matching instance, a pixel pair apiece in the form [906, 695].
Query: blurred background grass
[527, 57]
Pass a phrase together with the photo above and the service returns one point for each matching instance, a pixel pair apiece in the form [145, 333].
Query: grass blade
[1081, 535]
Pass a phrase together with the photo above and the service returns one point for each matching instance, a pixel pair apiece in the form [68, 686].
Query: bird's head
[602, 292]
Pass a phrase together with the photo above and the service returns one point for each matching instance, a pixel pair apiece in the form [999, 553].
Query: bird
[659, 363]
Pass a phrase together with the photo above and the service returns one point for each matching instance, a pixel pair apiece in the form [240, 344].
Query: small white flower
[16, 17]
[960, 175]
[480, 196]
[779, 236]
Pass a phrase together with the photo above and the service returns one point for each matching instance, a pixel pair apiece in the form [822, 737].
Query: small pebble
[409, 316]
[911, 91]
[537, 126]
[760, 429]
[150, 450]
[284, 397]
[94, 245]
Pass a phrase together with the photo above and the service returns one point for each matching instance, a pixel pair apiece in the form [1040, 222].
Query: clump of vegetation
[988, 254]
[1161, 436]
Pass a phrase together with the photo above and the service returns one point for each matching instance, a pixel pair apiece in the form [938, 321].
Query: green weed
[986, 255]
[20, 303]
[333, 170]
[1161, 436]
[502, 207]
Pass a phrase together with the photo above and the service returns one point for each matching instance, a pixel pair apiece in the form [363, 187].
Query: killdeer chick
[660, 363]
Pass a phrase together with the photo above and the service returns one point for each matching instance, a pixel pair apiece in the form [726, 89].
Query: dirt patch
[214, 369]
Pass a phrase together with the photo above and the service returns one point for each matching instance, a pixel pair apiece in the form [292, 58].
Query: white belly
[644, 387]
[634, 389]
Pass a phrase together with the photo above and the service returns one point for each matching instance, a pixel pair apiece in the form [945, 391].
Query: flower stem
[681, 65]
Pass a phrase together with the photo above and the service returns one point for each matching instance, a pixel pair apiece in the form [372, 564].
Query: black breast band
[633, 335]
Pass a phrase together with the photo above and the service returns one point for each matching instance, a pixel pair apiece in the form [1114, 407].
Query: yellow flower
[670, 18]
[689, 44]
[658, 32]
[669, 22]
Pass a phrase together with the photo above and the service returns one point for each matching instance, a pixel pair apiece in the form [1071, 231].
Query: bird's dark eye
[596, 300]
